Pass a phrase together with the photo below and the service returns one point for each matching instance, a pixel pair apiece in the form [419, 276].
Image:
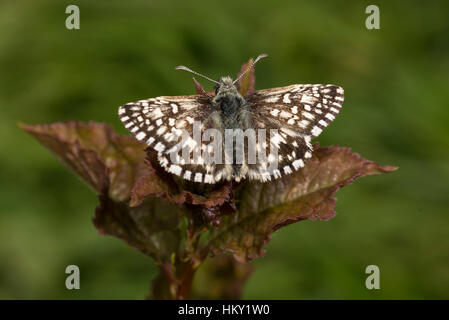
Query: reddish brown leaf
[247, 82]
[198, 87]
[110, 164]
[152, 227]
[306, 194]
[95, 153]
[150, 185]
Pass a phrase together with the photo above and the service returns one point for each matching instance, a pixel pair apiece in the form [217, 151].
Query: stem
[173, 283]
[223, 273]
[185, 282]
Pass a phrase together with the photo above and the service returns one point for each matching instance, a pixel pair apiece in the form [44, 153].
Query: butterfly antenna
[194, 72]
[260, 56]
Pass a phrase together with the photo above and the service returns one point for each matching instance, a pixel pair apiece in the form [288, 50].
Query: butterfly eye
[216, 87]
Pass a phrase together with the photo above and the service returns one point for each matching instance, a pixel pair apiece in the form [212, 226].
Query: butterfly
[292, 115]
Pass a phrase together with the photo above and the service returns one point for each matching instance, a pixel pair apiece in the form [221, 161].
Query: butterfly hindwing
[166, 124]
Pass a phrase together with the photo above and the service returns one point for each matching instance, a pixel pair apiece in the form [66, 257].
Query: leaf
[156, 182]
[152, 227]
[151, 185]
[110, 164]
[247, 82]
[95, 153]
[306, 194]
[198, 87]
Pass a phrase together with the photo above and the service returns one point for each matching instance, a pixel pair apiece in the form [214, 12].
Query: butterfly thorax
[231, 105]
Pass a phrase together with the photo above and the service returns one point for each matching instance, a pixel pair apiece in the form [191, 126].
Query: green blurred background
[396, 112]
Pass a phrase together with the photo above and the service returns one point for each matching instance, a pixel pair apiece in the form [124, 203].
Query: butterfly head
[225, 86]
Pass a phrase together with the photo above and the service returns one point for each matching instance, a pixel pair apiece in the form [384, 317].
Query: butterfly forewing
[309, 108]
[299, 113]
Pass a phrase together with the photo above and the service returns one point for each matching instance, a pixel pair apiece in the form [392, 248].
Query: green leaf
[306, 194]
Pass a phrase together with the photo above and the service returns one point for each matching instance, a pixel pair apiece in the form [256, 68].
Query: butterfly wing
[295, 113]
[298, 113]
[166, 124]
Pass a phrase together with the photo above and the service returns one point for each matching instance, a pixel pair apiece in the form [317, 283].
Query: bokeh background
[396, 112]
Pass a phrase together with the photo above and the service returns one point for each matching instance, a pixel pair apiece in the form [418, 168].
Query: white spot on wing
[274, 112]
[187, 175]
[285, 114]
[159, 147]
[272, 99]
[334, 110]
[316, 131]
[308, 115]
[175, 169]
[156, 114]
[161, 130]
[298, 164]
[150, 141]
[198, 177]
[287, 170]
[307, 99]
[304, 123]
[140, 136]
[289, 132]
[208, 178]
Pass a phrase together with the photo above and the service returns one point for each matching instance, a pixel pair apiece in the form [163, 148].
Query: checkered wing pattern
[298, 113]
[166, 124]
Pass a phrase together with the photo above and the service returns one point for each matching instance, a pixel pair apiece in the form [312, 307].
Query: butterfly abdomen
[230, 108]
[234, 114]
